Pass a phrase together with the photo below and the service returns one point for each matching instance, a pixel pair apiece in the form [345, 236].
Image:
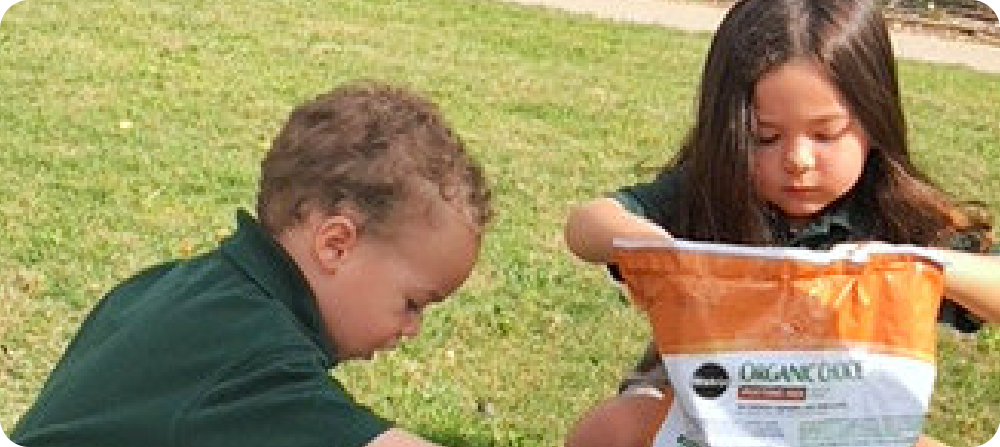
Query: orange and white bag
[776, 347]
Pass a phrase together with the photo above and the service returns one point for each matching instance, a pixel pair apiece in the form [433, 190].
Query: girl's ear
[333, 238]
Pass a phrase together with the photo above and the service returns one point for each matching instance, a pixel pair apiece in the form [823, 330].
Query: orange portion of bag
[703, 302]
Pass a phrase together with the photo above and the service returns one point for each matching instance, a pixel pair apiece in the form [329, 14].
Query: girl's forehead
[801, 88]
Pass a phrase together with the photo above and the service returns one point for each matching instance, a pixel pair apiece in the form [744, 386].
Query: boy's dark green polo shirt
[226, 349]
[837, 225]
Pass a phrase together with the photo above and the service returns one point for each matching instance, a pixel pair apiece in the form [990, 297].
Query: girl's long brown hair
[849, 39]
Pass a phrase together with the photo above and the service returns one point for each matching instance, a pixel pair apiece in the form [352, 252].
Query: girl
[800, 141]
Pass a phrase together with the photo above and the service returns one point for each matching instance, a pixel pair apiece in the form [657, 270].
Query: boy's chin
[370, 353]
[373, 354]
[357, 357]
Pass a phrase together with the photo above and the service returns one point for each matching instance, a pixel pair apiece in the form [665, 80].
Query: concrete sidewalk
[693, 17]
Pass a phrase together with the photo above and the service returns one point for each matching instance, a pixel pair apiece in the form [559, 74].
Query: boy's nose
[412, 327]
[800, 156]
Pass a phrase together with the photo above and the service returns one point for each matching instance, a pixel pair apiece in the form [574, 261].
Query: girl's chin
[801, 212]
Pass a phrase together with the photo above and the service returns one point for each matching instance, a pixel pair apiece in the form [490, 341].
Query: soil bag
[772, 347]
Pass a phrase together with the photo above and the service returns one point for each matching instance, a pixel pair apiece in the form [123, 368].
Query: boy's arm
[593, 225]
[973, 280]
[395, 437]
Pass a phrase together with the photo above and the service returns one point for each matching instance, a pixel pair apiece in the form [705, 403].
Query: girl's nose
[800, 156]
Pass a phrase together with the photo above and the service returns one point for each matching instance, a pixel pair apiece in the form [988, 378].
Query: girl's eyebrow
[819, 119]
[829, 117]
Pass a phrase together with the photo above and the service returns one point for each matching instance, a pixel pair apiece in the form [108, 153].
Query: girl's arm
[593, 225]
[973, 280]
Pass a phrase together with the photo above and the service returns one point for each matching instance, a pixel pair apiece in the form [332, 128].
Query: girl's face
[810, 148]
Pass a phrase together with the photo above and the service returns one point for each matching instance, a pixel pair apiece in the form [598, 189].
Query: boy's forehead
[442, 240]
[426, 201]
[439, 212]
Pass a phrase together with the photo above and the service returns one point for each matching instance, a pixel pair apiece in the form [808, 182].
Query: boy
[369, 210]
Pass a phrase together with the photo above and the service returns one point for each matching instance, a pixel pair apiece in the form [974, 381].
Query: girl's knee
[926, 441]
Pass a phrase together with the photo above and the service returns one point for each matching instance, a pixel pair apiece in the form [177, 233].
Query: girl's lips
[800, 192]
[799, 189]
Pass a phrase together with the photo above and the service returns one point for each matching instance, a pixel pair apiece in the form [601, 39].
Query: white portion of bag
[800, 399]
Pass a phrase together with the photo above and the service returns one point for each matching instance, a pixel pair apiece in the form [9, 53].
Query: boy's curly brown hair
[367, 146]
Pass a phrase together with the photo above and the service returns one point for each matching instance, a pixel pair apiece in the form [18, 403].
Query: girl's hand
[592, 227]
[973, 280]
[970, 279]
[860, 251]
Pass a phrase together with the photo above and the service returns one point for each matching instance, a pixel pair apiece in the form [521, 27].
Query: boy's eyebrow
[436, 297]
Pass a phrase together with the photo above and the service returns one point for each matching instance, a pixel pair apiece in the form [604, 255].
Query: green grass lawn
[132, 131]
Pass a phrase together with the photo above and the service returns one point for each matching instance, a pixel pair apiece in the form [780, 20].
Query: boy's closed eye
[413, 306]
[417, 305]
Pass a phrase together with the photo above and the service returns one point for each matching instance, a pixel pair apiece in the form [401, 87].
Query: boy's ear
[334, 237]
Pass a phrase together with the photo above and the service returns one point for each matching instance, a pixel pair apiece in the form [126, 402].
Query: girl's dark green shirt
[226, 349]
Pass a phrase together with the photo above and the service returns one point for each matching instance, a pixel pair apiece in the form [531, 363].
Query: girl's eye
[767, 140]
[827, 137]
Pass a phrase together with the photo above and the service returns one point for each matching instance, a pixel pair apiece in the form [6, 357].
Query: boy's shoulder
[199, 342]
[241, 299]
[207, 304]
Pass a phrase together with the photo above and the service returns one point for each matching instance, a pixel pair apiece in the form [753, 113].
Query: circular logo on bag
[710, 380]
